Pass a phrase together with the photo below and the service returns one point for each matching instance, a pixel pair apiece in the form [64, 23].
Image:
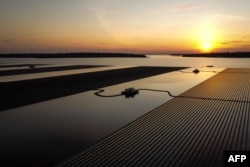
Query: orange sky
[143, 26]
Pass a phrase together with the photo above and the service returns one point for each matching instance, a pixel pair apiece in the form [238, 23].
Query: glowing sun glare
[207, 40]
[206, 47]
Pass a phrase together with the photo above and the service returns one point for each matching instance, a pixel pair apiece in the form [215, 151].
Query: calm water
[158, 61]
[49, 132]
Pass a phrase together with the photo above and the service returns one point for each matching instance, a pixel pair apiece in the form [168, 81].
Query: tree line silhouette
[223, 54]
[69, 55]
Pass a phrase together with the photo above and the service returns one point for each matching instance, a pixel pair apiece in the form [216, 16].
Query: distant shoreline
[121, 55]
[217, 55]
[71, 55]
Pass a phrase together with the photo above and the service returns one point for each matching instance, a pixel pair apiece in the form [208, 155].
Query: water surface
[49, 132]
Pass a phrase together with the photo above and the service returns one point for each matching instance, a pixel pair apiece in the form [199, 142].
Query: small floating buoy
[196, 71]
[130, 92]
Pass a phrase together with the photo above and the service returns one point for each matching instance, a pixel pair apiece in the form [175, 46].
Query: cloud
[231, 42]
[244, 45]
[7, 41]
[236, 41]
[30, 40]
[225, 43]
[188, 7]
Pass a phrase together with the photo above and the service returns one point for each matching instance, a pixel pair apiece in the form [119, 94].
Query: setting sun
[207, 39]
[206, 47]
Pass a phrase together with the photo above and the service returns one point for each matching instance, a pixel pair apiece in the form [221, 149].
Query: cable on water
[131, 92]
[101, 91]
[197, 71]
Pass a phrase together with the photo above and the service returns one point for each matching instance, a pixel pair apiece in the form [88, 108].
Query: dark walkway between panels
[184, 131]
[25, 92]
[34, 69]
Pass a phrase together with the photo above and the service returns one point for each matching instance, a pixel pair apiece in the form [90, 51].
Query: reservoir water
[49, 132]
